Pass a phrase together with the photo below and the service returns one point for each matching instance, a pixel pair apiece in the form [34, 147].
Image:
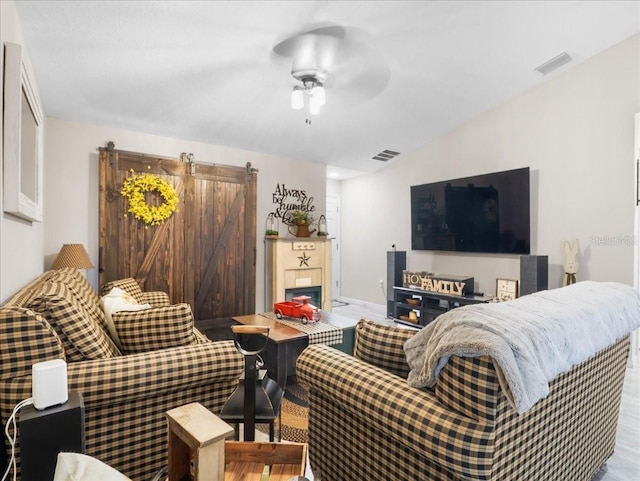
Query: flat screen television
[484, 213]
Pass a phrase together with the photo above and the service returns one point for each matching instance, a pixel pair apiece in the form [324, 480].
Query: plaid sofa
[167, 363]
[366, 422]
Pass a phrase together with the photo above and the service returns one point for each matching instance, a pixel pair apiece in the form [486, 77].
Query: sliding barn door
[220, 241]
[204, 254]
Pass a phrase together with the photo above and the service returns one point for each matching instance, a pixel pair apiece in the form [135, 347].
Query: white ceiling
[205, 71]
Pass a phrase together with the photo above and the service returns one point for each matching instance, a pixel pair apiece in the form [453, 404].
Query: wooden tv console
[426, 305]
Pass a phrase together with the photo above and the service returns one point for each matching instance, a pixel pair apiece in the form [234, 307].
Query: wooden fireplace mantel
[297, 262]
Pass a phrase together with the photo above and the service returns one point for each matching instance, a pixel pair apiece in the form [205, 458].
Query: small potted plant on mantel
[302, 220]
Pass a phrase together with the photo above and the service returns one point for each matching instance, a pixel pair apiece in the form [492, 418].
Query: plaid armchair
[168, 363]
[366, 422]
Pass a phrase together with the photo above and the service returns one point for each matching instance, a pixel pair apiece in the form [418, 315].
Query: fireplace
[314, 292]
[297, 266]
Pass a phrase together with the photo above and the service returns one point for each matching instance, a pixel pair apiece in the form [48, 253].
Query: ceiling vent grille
[385, 155]
[553, 64]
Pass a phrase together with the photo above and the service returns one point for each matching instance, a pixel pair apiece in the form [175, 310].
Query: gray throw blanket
[531, 339]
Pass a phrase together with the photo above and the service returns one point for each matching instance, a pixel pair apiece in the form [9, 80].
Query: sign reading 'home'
[443, 284]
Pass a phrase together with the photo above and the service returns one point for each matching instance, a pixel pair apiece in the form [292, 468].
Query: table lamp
[72, 255]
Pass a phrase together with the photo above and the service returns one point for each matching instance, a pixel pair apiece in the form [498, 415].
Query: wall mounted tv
[484, 213]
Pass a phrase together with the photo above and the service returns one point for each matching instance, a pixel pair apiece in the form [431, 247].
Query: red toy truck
[299, 308]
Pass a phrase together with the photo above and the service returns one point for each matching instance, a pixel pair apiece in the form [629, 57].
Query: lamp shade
[319, 95]
[314, 106]
[297, 98]
[72, 255]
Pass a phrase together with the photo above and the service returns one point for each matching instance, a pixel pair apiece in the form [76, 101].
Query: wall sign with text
[287, 200]
[428, 282]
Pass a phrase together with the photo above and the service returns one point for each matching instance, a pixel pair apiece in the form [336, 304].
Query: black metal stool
[256, 402]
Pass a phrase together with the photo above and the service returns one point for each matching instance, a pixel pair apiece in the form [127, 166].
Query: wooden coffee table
[286, 343]
[283, 346]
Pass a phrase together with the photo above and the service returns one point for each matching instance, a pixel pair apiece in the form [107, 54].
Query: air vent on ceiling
[385, 155]
[555, 63]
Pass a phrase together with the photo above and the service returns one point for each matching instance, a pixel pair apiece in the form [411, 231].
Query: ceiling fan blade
[359, 73]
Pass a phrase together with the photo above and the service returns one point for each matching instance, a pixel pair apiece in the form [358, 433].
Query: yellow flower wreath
[134, 189]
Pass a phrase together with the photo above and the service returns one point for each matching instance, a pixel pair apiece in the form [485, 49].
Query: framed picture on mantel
[506, 289]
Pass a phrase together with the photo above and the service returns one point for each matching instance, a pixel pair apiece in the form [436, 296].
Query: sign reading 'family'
[288, 200]
[427, 282]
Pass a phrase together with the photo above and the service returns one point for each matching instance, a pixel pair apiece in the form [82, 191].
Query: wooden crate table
[247, 461]
[198, 451]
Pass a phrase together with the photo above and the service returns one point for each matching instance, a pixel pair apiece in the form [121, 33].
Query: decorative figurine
[570, 262]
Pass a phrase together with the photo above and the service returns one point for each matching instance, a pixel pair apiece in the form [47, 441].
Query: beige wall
[21, 242]
[71, 182]
[574, 131]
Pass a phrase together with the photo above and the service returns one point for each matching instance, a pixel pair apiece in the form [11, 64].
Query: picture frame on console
[506, 289]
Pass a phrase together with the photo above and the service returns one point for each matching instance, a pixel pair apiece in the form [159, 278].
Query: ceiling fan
[331, 56]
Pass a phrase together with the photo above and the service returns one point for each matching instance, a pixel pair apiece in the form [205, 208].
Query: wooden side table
[196, 443]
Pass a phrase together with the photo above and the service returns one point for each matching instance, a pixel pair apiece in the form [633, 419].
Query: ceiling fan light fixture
[314, 92]
[297, 98]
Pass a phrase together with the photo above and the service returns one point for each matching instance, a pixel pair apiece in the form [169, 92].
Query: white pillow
[80, 467]
[118, 300]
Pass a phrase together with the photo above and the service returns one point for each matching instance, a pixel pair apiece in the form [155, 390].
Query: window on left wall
[22, 153]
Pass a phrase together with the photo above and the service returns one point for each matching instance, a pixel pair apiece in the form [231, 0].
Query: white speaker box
[49, 383]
